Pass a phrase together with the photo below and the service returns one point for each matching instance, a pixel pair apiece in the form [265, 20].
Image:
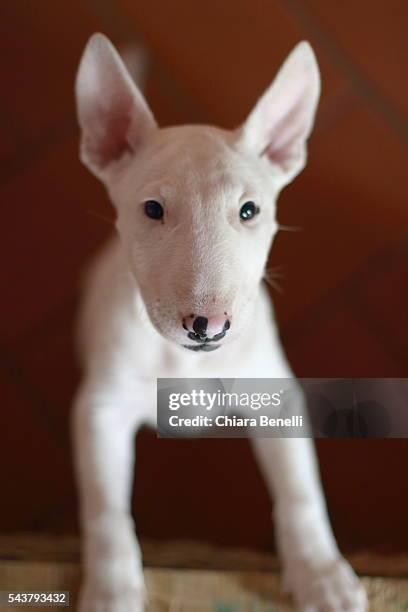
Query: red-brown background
[343, 309]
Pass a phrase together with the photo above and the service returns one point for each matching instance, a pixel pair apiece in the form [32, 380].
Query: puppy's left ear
[281, 122]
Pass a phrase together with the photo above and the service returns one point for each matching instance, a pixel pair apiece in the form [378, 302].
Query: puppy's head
[195, 204]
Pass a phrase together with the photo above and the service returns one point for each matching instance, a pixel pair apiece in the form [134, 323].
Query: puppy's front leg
[314, 571]
[104, 426]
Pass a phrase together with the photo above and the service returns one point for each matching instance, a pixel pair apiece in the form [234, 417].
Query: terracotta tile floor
[344, 304]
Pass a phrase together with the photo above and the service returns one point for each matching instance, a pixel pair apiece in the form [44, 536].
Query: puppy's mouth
[202, 347]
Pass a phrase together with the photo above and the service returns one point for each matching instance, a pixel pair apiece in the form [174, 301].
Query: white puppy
[196, 218]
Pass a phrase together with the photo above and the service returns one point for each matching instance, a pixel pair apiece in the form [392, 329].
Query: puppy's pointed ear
[113, 115]
[280, 123]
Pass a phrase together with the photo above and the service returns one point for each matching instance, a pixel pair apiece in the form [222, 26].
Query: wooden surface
[185, 590]
[248, 582]
[194, 590]
[184, 554]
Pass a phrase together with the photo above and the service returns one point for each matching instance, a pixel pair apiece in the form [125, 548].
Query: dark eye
[153, 209]
[248, 211]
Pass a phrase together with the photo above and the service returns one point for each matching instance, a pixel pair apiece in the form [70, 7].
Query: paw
[112, 565]
[101, 598]
[332, 588]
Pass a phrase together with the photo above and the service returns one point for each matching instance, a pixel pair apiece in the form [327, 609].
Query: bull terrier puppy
[179, 293]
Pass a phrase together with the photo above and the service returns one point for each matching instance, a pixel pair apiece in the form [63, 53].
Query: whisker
[275, 271]
[273, 283]
[271, 275]
[276, 276]
[289, 228]
[98, 215]
[174, 229]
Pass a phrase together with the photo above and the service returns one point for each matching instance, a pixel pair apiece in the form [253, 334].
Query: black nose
[200, 326]
[206, 329]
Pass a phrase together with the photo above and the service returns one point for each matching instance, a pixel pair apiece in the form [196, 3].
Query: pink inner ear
[282, 119]
[106, 139]
[287, 135]
[114, 143]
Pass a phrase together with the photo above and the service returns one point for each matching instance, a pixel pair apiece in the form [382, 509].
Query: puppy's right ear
[113, 115]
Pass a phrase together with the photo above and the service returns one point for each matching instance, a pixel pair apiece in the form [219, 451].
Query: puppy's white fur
[201, 258]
